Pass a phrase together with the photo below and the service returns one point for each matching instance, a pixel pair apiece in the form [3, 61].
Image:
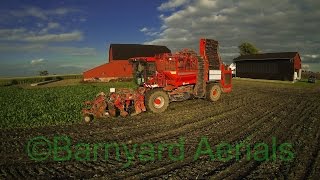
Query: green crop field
[49, 105]
[23, 106]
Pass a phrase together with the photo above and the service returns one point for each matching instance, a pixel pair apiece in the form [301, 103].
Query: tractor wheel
[213, 92]
[157, 100]
[87, 118]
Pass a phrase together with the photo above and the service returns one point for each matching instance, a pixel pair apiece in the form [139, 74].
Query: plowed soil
[254, 112]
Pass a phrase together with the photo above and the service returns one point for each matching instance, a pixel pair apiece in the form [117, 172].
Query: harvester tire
[156, 100]
[213, 92]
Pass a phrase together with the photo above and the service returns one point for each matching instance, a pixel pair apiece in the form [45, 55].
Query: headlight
[112, 90]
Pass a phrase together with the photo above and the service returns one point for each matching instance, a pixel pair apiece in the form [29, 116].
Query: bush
[14, 82]
[59, 78]
[48, 78]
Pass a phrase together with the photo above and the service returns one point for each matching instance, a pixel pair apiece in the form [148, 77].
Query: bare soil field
[254, 112]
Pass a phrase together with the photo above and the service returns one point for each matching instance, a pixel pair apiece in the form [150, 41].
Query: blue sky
[68, 36]
[71, 36]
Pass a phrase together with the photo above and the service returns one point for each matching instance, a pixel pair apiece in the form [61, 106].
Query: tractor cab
[144, 68]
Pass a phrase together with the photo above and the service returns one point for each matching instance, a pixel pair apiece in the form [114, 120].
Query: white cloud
[43, 35]
[40, 13]
[61, 11]
[50, 26]
[53, 25]
[13, 34]
[149, 32]
[37, 61]
[38, 47]
[73, 36]
[144, 29]
[14, 48]
[313, 56]
[171, 4]
[75, 51]
[273, 26]
[208, 3]
[81, 66]
[35, 12]
[40, 33]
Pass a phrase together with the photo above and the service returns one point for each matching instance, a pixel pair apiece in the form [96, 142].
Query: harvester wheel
[213, 92]
[157, 100]
[87, 118]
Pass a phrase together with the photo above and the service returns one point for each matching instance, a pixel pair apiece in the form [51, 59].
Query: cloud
[149, 32]
[37, 61]
[40, 13]
[172, 4]
[144, 29]
[41, 32]
[32, 11]
[79, 66]
[73, 36]
[313, 56]
[24, 35]
[310, 58]
[75, 51]
[55, 66]
[50, 26]
[62, 11]
[36, 48]
[273, 26]
[13, 34]
[18, 48]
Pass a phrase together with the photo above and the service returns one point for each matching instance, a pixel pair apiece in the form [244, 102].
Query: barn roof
[267, 56]
[126, 51]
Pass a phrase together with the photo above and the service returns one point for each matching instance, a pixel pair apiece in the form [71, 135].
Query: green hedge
[35, 79]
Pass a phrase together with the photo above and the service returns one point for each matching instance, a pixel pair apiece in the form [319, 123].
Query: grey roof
[267, 56]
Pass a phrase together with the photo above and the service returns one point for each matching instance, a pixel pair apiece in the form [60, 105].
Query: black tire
[157, 100]
[213, 92]
[87, 118]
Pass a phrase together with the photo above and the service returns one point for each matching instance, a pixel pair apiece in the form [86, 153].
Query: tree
[247, 48]
[43, 73]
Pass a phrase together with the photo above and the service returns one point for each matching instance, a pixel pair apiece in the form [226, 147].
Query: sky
[68, 37]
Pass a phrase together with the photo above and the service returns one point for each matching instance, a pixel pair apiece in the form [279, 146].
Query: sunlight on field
[50, 104]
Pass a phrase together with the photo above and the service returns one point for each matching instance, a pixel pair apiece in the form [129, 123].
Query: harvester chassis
[165, 78]
[129, 102]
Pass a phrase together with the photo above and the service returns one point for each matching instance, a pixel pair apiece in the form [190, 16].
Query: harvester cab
[168, 77]
[144, 69]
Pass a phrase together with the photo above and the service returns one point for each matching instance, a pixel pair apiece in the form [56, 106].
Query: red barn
[118, 65]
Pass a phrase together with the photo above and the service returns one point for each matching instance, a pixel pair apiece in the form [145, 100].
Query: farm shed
[273, 66]
[118, 65]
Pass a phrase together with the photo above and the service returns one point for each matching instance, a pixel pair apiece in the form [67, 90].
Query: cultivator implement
[123, 102]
